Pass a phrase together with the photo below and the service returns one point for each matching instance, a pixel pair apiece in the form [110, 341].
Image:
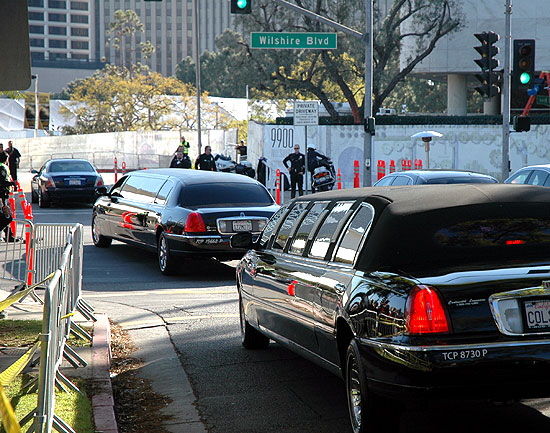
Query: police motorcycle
[323, 177]
[226, 164]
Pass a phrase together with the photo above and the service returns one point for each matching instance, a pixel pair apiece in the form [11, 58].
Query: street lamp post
[36, 105]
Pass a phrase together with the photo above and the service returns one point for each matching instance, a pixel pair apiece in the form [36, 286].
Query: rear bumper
[496, 370]
[87, 194]
[207, 246]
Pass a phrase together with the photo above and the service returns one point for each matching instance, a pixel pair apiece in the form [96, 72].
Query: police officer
[297, 169]
[206, 160]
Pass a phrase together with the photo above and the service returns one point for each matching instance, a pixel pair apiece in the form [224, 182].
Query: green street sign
[296, 41]
[543, 100]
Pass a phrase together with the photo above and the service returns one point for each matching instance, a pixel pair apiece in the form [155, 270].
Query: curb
[103, 403]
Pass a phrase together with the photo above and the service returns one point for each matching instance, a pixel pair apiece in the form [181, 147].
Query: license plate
[242, 226]
[537, 314]
[75, 182]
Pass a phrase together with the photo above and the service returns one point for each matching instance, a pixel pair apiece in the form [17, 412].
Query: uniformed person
[206, 160]
[296, 169]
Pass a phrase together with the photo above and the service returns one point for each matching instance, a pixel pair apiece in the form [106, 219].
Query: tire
[34, 196]
[166, 261]
[42, 201]
[98, 239]
[368, 412]
[251, 338]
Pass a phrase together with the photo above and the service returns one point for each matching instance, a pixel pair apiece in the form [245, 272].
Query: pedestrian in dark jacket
[296, 169]
[206, 160]
[181, 161]
[315, 159]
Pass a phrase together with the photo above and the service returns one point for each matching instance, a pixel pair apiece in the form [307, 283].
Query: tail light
[49, 182]
[99, 181]
[424, 313]
[194, 223]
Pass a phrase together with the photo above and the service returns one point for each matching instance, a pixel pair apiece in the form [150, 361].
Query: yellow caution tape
[9, 420]
[22, 293]
[17, 367]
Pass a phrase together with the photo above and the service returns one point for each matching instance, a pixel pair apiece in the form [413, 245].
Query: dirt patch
[137, 407]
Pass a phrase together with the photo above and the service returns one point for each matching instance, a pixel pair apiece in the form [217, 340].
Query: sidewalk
[161, 364]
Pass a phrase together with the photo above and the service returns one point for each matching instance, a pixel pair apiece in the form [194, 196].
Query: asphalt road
[240, 391]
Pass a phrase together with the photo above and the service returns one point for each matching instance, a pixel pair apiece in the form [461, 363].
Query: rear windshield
[224, 194]
[475, 238]
[68, 166]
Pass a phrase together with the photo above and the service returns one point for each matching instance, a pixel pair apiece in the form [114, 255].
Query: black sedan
[433, 176]
[407, 292]
[65, 180]
[181, 214]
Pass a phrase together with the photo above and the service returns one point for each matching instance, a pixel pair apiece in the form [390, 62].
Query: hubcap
[162, 253]
[354, 394]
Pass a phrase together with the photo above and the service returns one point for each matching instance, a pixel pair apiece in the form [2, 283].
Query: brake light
[194, 223]
[424, 313]
[49, 182]
[99, 181]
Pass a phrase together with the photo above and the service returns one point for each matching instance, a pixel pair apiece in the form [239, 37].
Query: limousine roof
[413, 220]
[190, 176]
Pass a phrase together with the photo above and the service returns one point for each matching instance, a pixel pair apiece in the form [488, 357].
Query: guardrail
[57, 247]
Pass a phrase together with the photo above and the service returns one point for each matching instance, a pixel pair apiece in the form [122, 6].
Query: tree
[128, 99]
[126, 25]
[338, 75]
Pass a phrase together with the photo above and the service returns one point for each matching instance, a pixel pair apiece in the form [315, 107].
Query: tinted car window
[164, 192]
[286, 227]
[521, 177]
[219, 194]
[385, 181]
[271, 224]
[355, 232]
[328, 229]
[142, 188]
[67, 166]
[300, 237]
[460, 179]
[539, 177]
[402, 180]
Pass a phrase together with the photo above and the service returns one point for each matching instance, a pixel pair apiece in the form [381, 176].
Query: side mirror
[34, 171]
[242, 240]
[101, 190]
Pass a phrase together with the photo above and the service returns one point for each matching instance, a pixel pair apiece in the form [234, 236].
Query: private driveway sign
[298, 41]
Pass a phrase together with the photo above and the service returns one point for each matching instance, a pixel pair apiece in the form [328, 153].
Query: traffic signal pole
[367, 39]
[505, 164]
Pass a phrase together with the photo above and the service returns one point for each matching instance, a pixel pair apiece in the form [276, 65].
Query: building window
[79, 45]
[82, 19]
[57, 30]
[57, 4]
[79, 32]
[58, 56]
[79, 56]
[37, 56]
[36, 4]
[79, 6]
[37, 42]
[56, 43]
[36, 29]
[36, 16]
[59, 18]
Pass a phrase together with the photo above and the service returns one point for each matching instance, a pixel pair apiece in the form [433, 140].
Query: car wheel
[43, 201]
[99, 240]
[166, 261]
[368, 412]
[251, 338]
[34, 196]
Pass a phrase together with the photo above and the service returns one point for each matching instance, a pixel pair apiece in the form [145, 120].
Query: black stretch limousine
[433, 290]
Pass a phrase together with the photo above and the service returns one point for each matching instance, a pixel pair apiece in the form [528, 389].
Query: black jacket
[297, 162]
[185, 162]
[206, 162]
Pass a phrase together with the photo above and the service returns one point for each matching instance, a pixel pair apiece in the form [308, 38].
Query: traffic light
[523, 70]
[241, 6]
[488, 64]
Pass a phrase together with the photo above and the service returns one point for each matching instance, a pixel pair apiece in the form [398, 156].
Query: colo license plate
[242, 226]
[74, 182]
[537, 314]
